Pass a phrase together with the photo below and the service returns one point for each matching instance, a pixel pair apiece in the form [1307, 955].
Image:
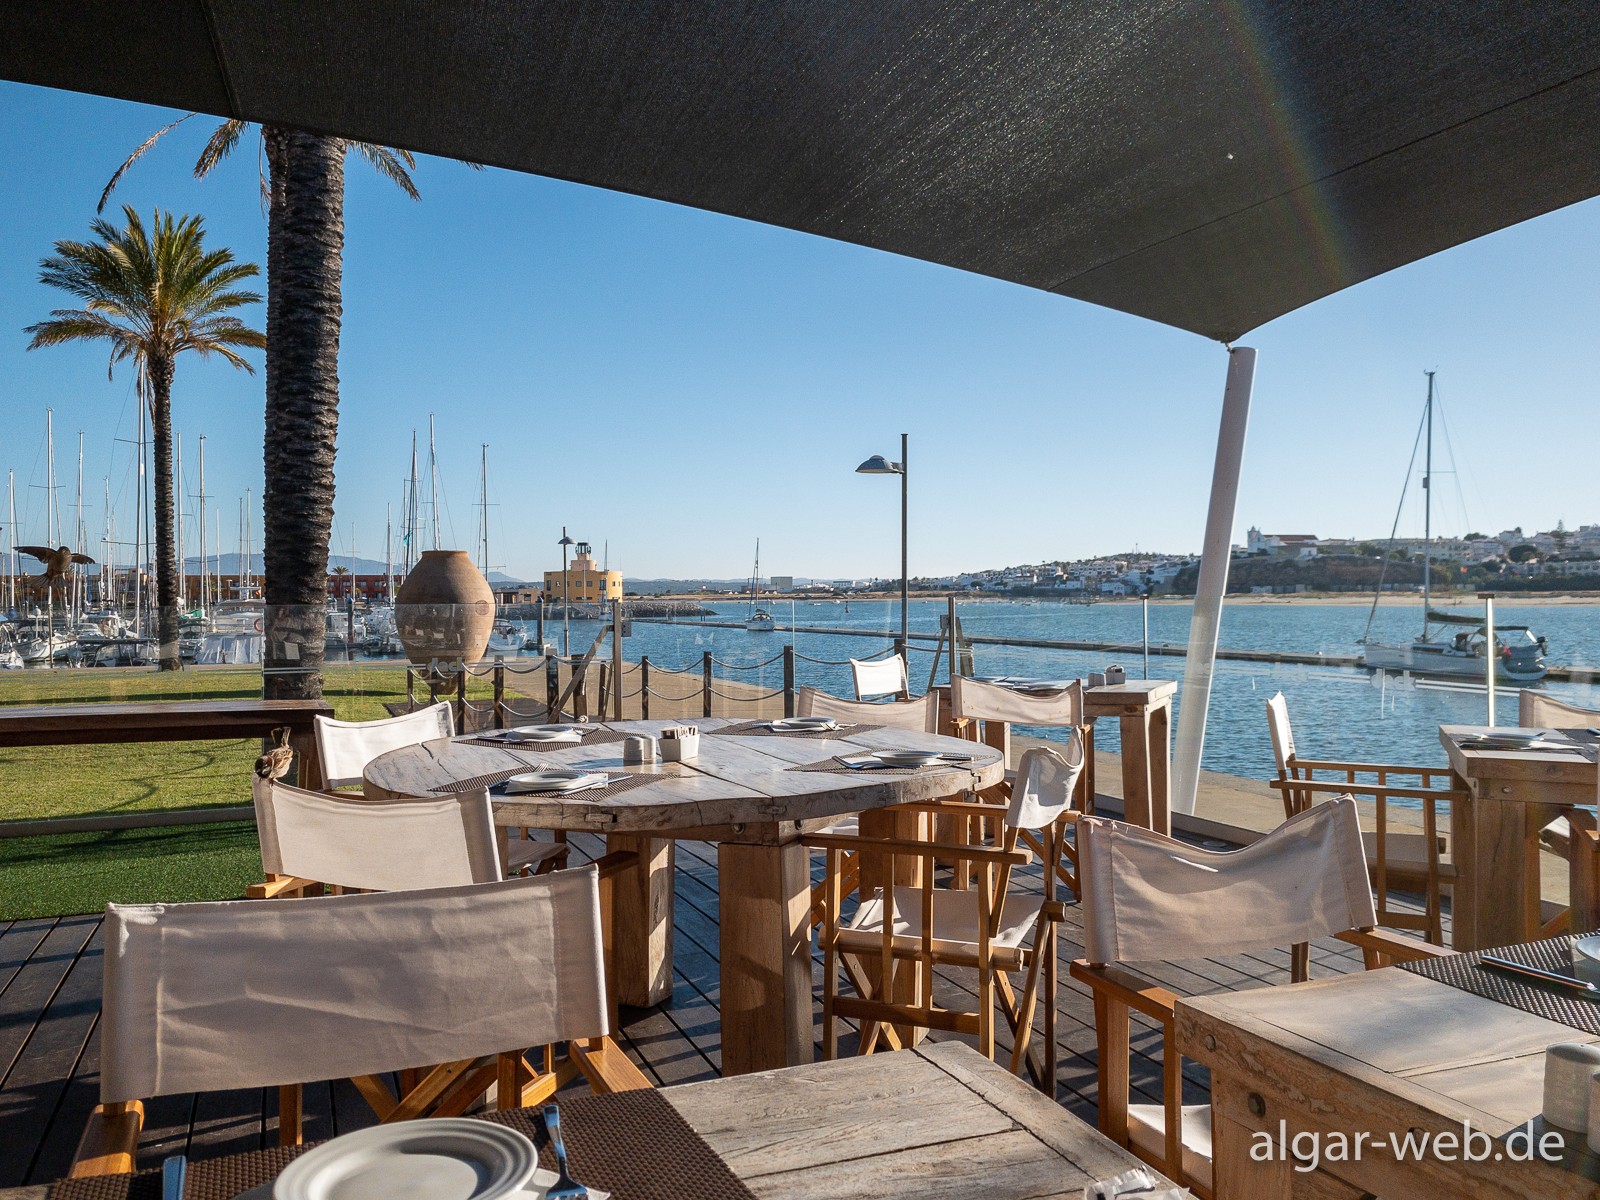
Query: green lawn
[78, 873]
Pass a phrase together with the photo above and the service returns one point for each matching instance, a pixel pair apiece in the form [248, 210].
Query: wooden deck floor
[50, 976]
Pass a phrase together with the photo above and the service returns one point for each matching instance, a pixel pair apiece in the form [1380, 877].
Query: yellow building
[586, 583]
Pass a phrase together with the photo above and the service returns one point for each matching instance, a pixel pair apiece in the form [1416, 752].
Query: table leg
[642, 928]
[1136, 800]
[308, 761]
[764, 901]
[1237, 1174]
[1159, 753]
[1496, 900]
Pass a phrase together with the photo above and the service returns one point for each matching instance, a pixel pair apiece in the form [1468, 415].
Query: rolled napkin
[1135, 1183]
[1568, 1070]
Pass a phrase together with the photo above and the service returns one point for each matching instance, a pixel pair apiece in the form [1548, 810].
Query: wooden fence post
[644, 686]
[705, 687]
[499, 692]
[788, 680]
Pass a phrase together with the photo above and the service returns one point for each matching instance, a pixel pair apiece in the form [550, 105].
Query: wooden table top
[737, 780]
[1515, 766]
[940, 1120]
[1385, 1049]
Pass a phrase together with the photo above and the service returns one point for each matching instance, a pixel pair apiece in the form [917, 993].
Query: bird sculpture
[57, 563]
[275, 763]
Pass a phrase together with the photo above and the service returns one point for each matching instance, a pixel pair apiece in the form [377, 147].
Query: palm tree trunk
[305, 248]
[160, 375]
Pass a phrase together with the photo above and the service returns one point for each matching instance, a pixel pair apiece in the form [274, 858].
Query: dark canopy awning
[1207, 165]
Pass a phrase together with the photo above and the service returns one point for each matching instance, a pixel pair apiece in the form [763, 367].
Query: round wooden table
[742, 793]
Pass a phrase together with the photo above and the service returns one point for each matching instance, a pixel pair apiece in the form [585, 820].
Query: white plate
[545, 733]
[907, 758]
[438, 1159]
[554, 779]
[809, 724]
[1586, 958]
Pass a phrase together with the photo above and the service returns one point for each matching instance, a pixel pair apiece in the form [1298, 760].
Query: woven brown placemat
[1553, 1003]
[759, 729]
[598, 736]
[632, 1144]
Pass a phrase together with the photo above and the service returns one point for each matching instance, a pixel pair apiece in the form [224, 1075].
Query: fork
[566, 1187]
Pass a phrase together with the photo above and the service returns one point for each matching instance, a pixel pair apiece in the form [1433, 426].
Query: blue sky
[679, 383]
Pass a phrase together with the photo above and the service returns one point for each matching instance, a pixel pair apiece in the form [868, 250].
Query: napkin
[571, 735]
[1137, 1184]
[595, 779]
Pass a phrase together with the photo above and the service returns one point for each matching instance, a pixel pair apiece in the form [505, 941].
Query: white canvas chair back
[920, 713]
[880, 677]
[346, 747]
[1148, 897]
[991, 702]
[377, 845]
[1535, 710]
[243, 994]
[1046, 780]
[1282, 734]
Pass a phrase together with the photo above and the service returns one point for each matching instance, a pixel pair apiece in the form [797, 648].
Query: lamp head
[879, 465]
[566, 541]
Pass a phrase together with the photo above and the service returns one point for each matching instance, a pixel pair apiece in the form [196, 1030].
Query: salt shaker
[638, 750]
[1568, 1070]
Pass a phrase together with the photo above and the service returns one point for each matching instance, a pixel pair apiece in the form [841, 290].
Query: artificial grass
[65, 874]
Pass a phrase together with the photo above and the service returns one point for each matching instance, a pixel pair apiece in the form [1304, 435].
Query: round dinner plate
[543, 733]
[1586, 957]
[806, 723]
[908, 758]
[555, 779]
[439, 1159]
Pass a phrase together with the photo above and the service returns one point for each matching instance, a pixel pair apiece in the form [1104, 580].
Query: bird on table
[58, 563]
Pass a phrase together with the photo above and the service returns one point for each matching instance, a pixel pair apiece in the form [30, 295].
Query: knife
[1516, 968]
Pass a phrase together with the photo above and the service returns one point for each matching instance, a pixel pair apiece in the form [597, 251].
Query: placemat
[631, 1144]
[759, 729]
[1553, 1003]
[598, 736]
[618, 785]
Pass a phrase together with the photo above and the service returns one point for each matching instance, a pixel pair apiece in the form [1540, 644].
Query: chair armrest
[927, 851]
[951, 808]
[279, 885]
[614, 864]
[1376, 791]
[1127, 987]
[1322, 764]
[110, 1140]
[1391, 946]
[606, 1067]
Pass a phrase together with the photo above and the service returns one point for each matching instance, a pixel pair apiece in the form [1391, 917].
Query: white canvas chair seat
[846, 826]
[919, 714]
[1149, 897]
[1147, 1130]
[346, 747]
[880, 677]
[1536, 710]
[528, 855]
[954, 927]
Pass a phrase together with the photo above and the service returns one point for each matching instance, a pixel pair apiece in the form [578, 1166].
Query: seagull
[57, 563]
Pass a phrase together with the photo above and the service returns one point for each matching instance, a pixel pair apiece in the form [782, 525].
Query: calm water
[1338, 712]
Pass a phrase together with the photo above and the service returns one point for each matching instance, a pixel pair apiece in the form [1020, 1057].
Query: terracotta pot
[444, 611]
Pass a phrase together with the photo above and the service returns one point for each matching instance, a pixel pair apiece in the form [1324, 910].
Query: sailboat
[759, 619]
[1518, 653]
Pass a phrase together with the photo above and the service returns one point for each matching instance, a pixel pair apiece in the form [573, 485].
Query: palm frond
[393, 165]
[218, 146]
[135, 157]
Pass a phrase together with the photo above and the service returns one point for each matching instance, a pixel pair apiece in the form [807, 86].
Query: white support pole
[1203, 625]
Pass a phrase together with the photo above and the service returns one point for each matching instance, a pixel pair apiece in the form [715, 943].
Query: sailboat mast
[183, 562]
[483, 512]
[433, 483]
[79, 537]
[410, 519]
[11, 541]
[1427, 513]
[202, 522]
[388, 553]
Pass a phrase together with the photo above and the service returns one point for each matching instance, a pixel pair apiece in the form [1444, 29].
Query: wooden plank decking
[50, 976]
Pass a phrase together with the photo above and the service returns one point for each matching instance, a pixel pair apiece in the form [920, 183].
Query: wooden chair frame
[110, 1139]
[1299, 788]
[880, 1010]
[1119, 992]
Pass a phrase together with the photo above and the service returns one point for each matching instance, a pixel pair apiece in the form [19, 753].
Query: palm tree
[303, 189]
[153, 295]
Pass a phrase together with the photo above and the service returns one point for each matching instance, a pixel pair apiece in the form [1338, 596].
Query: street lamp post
[879, 465]
[566, 597]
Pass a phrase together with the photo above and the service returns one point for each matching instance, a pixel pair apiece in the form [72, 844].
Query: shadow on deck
[50, 982]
